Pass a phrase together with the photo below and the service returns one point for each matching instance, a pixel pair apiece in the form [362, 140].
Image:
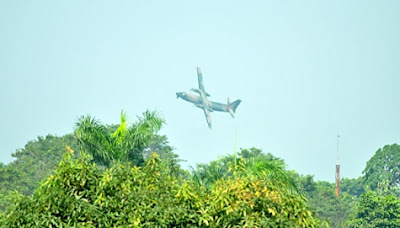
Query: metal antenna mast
[337, 190]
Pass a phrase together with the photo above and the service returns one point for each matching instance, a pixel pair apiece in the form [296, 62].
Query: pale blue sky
[305, 71]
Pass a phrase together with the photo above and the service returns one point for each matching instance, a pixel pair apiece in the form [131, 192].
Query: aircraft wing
[208, 117]
[200, 79]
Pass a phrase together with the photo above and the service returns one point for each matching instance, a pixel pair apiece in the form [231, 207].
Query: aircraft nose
[178, 95]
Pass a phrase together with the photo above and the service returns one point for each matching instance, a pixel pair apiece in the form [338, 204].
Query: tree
[249, 162]
[384, 165]
[124, 144]
[37, 160]
[321, 197]
[328, 205]
[160, 145]
[79, 194]
[32, 164]
[376, 210]
[352, 186]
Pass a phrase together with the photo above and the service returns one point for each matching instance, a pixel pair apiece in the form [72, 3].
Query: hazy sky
[304, 70]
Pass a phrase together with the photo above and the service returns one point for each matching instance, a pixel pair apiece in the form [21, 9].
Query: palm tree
[122, 145]
[250, 163]
[207, 174]
[272, 171]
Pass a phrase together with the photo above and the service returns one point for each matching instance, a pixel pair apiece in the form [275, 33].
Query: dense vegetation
[107, 175]
[36, 161]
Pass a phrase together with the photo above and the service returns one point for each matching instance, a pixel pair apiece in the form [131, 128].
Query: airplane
[201, 100]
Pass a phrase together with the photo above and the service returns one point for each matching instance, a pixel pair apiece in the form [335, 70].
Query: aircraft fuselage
[198, 102]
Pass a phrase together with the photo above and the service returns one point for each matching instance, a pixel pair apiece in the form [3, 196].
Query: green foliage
[376, 210]
[384, 165]
[124, 144]
[80, 194]
[353, 187]
[253, 202]
[321, 197]
[38, 159]
[111, 185]
[160, 145]
[248, 162]
[251, 165]
[328, 206]
[33, 163]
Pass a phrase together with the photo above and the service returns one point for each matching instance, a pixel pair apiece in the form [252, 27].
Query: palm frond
[92, 137]
[124, 144]
[273, 171]
[121, 130]
[146, 127]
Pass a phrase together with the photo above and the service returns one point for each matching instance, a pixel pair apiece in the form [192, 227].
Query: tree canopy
[38, 159]
[383, 166]
[32, 164]
[376, 210]
[126, 143]
[81, 194]
[247, 162]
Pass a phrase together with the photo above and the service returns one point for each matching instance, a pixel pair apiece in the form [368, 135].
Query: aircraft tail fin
[233, 106]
